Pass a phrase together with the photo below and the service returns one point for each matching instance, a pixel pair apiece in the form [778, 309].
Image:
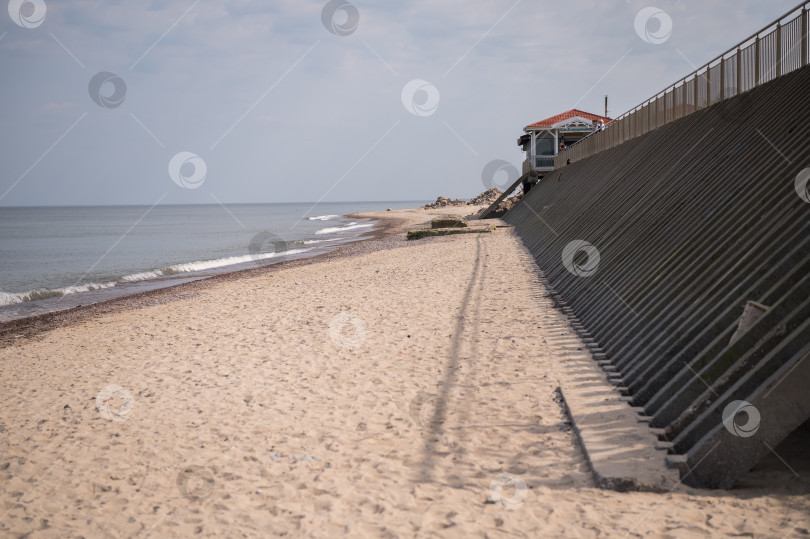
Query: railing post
[671, 117]
[722, 78]
[676, 109]
[674, 104]
[739, 72]
[696, 90]
[627, 128]
[630, 126]
[804, 36]
[663, 112]
[708, 85]
[757, 67]
[645, 117]
[778, 49]
[633, 126]
[661, 119]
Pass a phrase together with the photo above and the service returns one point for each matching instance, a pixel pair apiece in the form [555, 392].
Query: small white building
[544, 139]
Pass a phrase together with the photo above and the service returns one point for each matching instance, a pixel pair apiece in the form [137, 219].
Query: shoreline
[49, 270]
[13, 331]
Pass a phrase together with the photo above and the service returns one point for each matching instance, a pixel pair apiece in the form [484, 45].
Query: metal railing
[775, 50]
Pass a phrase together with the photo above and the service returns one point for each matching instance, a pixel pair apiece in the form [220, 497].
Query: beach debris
[292, 459]
[449, 221]
[752, 312]
[423, 233]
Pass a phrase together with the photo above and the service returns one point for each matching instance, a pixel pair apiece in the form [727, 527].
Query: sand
[404, 391]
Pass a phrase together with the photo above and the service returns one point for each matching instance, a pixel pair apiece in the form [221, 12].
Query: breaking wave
[10, 298]
[312, 242]
[350, 226]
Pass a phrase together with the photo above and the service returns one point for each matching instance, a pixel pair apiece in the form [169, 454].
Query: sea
[55, 258]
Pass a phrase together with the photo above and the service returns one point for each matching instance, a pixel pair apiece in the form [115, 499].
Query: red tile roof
[548, 122]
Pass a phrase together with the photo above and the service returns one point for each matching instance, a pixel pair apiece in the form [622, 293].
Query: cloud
[58, 107]
[296, 106]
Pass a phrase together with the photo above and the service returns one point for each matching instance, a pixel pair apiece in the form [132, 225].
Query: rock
[449, 221]
[423, 233]
[487, 197]
[443, 201]
[506, 205]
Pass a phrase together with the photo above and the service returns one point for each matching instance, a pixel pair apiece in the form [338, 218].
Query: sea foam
[11, 298]
[350, 226]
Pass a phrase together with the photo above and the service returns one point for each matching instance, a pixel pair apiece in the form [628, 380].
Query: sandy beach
[400, 389]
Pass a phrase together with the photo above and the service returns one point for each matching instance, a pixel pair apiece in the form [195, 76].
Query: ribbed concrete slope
[689, 222]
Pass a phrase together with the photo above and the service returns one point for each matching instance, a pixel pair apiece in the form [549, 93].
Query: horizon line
[202, 204]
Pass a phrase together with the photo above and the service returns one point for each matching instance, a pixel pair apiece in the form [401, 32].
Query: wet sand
[393, 389]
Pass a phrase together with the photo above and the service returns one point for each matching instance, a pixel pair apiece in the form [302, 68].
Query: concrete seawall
[658, 244]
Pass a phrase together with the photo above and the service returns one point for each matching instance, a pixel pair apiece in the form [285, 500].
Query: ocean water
[59, 257]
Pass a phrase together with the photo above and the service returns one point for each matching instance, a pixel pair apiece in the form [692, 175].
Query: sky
[237, 101]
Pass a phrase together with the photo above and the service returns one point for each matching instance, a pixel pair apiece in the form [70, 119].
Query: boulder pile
[509, 203]
[506, 205]
[487, 197]
[442, 202]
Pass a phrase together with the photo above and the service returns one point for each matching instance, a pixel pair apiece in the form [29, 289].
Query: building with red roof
[571, 116]
[544, 139]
